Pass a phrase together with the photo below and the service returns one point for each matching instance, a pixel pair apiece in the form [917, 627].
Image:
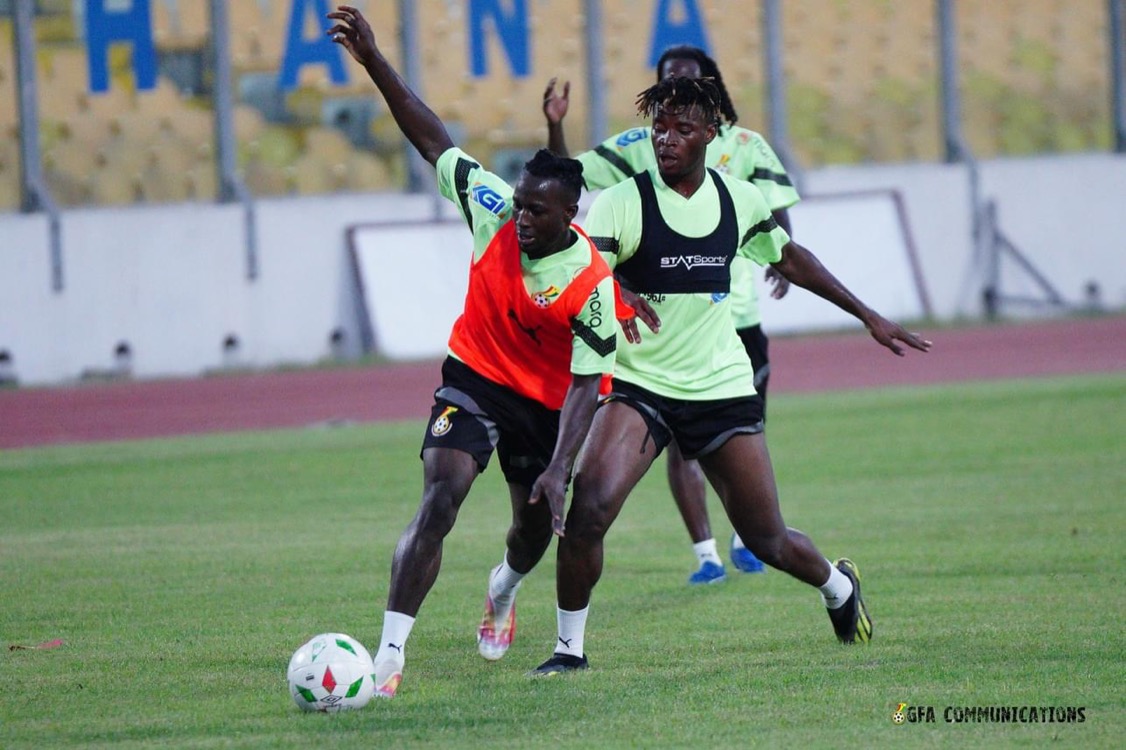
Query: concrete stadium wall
[1066, 215]
[170, 280]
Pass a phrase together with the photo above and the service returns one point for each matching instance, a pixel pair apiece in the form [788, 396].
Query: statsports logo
[692, 261]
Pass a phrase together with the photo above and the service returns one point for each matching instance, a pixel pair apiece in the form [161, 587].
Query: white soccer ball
[331, 672]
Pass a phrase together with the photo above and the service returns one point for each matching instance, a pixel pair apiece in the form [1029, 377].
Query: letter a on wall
[512, 31]
[300, 51]
[687, 28]
[103, 28]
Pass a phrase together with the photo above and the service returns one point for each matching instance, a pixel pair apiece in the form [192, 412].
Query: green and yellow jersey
[741, 153]
[697, 354]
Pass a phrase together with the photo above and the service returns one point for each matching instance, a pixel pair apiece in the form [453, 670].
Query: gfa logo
[442, 424]
[913, 714]
[489, 199]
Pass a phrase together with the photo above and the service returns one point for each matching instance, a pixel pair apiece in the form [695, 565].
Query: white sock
[706, 552]
[737, 542]
[503, 584]
[396, 630]
[835, 591]
[572, 626]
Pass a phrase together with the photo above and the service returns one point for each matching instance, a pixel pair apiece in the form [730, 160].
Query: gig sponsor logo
[489, 199]
[631, 136]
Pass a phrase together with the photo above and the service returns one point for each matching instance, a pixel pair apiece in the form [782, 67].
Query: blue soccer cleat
[743, 559]
[709, 572]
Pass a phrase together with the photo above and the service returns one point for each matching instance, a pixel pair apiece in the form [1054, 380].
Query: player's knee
[771, 550]
[588, 525]
[531, 533]
[438, 511]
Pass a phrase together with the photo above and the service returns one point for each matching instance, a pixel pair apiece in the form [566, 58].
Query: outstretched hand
[643, 310]
[780, 283]
[887, 333]
[353, 33]
[551, 485]
[555, 105]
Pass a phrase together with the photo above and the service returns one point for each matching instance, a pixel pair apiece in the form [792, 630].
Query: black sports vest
[667, 262]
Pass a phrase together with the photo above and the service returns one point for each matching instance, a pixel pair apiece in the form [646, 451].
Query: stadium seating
[862, 79]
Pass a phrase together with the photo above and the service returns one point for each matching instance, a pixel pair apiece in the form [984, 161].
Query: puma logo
[566, 643]
[530, 331]
[397, 648]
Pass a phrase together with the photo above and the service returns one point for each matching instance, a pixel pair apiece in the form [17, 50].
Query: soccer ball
[331, 672]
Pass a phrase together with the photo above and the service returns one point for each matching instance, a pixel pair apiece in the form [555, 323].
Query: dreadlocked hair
[546, 164]
[708, 69]
[680, 94]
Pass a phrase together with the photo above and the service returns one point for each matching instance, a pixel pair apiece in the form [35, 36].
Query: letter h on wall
[105, 27]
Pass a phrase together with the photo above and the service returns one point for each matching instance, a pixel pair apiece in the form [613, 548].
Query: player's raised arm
[418, 122]
[803, 268]
[555, 107]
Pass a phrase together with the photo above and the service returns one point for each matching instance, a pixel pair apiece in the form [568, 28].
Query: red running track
[132, 410]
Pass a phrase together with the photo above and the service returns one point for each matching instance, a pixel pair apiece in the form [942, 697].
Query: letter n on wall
[511, 25]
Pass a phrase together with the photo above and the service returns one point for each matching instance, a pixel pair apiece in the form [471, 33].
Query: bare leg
[530, 533]
[689, 490]
[743, 477]
[618, 452]
[448, 475]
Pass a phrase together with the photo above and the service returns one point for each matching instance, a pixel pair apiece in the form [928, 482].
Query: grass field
[987, 521]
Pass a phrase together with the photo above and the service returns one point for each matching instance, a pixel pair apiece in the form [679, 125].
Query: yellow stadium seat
[328, 144]
[266, 179]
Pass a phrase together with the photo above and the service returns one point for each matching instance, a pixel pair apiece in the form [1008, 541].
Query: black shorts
[474, 415]
[699, 427]
[754, 341]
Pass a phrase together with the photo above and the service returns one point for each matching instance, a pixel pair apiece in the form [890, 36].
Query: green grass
[987, 521]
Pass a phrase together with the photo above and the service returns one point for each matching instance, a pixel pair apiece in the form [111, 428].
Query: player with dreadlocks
[743, 154]
[670, 235]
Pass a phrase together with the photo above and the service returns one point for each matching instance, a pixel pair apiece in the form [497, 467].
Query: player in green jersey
[671, 233]
[743, 154]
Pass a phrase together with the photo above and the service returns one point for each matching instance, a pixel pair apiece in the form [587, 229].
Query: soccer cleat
[851, 620]
[387, 677]
[743, 559]
[709, 572]
[492, 643]
[559, 663]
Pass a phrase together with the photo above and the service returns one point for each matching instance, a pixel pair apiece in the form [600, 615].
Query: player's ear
[571, 211]
[710, 133]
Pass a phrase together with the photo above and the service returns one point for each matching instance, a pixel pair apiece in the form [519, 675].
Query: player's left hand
[641, 309]
[887, 333]
[555, 105]
[780, 283]
[353, 34]
[551, 485]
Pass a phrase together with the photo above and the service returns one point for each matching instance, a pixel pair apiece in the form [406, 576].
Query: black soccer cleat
[559, 663]
[851, 620]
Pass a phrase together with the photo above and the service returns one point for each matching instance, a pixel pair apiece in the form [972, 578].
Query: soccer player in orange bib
[525, 361]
